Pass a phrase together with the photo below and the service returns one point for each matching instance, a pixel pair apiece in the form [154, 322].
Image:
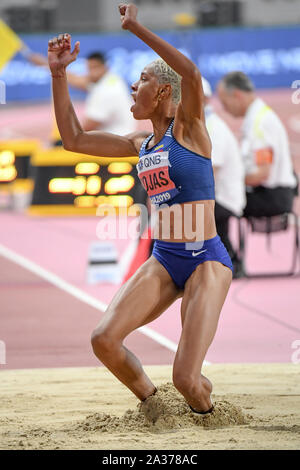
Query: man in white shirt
[108, 102]
[228, 172]
[270, 179]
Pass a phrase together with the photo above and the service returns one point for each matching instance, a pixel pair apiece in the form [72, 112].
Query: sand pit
[167, 410]
[256, 407]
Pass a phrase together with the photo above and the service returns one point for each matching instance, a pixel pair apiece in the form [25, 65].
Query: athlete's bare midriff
[186, 222]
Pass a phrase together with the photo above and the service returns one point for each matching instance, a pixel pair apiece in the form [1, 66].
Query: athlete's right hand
[128, 14]
[59, 53]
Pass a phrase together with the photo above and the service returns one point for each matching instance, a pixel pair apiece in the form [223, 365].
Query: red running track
[44, 326]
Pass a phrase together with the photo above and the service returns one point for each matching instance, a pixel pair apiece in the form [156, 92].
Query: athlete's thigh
[140, 300]
[203, 298]
[208, 285]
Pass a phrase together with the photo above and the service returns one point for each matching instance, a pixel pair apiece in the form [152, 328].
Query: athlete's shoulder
[139, 139]
[192, 135]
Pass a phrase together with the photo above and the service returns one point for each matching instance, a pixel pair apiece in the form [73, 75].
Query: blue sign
[270, 56]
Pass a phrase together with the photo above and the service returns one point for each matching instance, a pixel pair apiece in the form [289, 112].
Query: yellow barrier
[58, 156]
[21, 148]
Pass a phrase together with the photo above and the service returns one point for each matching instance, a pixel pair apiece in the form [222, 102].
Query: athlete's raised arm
[73, 137]
[191, 84]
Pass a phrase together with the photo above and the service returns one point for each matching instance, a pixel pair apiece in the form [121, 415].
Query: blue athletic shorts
[181, 259]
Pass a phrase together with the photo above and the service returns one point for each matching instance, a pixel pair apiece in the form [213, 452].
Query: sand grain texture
[257, 406]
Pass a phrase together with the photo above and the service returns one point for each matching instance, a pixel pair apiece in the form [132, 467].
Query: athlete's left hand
[60, 54]
[128, 14]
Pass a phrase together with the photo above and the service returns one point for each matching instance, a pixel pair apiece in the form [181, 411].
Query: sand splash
[164, 411]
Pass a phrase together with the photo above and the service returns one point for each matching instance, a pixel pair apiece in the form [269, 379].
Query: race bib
[153, 171]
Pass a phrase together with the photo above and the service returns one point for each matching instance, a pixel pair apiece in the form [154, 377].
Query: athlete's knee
[103, 341]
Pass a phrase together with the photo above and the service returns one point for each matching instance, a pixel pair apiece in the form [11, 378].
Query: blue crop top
[172, 174]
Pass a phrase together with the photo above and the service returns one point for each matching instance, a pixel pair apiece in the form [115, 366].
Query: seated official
[269, 176]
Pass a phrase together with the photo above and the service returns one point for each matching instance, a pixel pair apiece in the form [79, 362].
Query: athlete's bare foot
[202, 403]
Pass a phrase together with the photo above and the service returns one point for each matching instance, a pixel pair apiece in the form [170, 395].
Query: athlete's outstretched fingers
[142, 299]
[53, 42]
[76, 49]
[203, 298]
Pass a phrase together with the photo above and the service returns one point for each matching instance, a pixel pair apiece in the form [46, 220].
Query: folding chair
[269, 225]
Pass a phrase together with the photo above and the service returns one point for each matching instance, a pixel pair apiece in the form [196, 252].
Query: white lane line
[158, 338]
[77, 293]
[51, 278]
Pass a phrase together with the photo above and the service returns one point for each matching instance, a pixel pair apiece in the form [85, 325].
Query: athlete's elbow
[192, 78]
[192, 74]
[69, 145]
[72, 144]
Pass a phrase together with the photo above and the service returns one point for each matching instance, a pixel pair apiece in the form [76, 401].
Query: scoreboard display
[69, 183]
[15, 155]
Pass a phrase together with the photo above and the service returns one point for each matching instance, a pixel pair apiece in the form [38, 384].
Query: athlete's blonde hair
[165, 74]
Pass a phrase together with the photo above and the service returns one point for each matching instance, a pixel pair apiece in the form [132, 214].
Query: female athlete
[175, 168]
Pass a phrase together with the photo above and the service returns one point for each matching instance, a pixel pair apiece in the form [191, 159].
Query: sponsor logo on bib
[153, 171]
